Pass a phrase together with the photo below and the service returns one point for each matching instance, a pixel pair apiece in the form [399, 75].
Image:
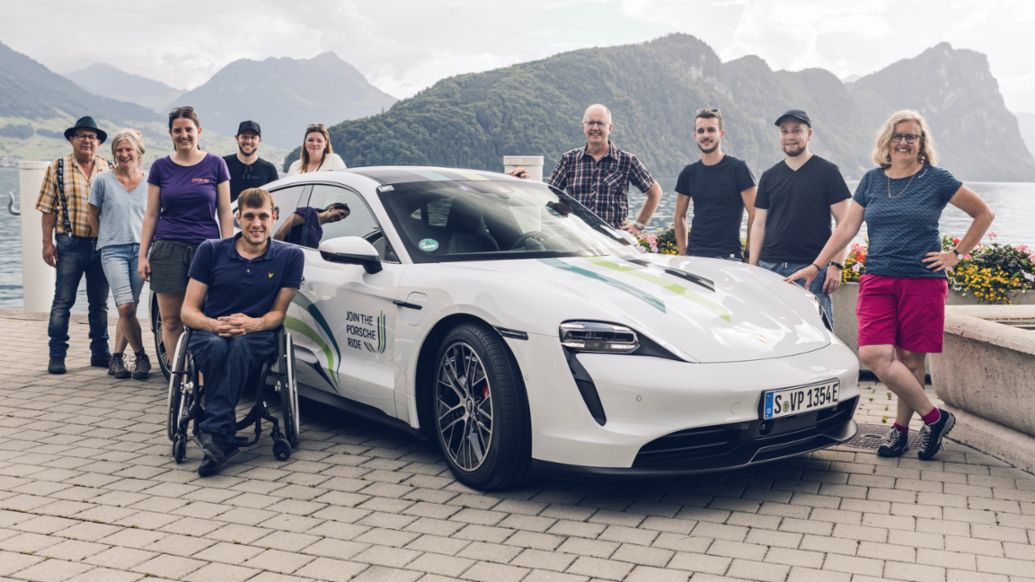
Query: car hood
[704, 310]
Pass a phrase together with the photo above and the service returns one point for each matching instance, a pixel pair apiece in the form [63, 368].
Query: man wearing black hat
[795, 200]
[70, 245]
[247, 169]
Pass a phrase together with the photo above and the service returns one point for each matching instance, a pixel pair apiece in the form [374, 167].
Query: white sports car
[512, 325]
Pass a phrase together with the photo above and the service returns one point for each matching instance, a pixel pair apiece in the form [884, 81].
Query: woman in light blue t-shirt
[117, 203]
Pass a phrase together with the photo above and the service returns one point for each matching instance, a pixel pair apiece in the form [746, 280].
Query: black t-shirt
[260, 173]
[798, 205]
[718, 205]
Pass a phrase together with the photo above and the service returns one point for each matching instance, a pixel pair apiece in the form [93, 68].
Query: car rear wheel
[480, 409]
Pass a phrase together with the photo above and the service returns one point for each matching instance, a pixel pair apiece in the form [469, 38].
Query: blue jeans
[120, 268]
[77, 256]
[786, 269]
[227, 364]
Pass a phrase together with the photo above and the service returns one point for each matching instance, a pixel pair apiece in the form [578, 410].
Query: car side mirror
[351, 250]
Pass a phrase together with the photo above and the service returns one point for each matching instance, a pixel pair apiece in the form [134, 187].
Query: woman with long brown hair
[317, 153]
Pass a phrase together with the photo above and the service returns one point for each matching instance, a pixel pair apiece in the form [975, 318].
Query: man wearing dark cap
[795, 200]
[70, 245]
[247, 169]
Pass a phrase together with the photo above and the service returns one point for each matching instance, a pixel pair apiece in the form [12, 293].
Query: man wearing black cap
[795, 200]
[247, 169]
[70, 244]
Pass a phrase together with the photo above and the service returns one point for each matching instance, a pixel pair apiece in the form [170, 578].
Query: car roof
[406, 174]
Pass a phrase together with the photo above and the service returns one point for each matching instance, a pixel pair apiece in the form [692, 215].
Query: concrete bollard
[37, 277]
[533, 164]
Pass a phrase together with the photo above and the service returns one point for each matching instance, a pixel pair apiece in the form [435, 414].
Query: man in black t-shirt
[796, 198]
[247, 169]
[721, 187]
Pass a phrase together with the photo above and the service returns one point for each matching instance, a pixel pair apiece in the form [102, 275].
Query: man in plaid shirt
[598, 175]
[70, 245]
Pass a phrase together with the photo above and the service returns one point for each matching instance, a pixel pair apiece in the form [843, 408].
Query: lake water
[1013, 203]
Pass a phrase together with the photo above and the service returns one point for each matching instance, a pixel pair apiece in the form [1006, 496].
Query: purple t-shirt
[188, 198]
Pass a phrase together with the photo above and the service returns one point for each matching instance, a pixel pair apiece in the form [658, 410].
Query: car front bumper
[665, 416]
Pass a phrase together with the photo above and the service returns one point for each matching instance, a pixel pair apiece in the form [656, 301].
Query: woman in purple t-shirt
[186, 193]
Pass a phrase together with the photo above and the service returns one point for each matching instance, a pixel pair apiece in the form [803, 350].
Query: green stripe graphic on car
[641, 272]
[651, 300]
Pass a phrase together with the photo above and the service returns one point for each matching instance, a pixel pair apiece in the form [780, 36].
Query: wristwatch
[836, 264]
[959, 255]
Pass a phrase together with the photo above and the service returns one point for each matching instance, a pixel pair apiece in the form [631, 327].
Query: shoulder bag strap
[65, 222]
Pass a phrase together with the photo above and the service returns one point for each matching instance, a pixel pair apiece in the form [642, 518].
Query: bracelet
[818, 268]
[640, 225]
[836, 264]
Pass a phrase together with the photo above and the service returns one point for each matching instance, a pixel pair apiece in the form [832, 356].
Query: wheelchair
[275, 380]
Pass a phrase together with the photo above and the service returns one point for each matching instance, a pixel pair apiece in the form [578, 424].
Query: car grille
[742, 443]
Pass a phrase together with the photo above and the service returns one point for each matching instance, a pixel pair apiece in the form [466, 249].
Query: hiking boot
[931, 435]
[141, 367]
[211, 466]
[118, 367]
[56, 366]
[100, 360]
[894, 444]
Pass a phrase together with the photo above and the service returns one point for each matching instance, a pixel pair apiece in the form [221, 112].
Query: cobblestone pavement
[88, 491]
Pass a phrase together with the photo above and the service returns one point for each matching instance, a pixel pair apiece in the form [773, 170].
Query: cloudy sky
[405, 46]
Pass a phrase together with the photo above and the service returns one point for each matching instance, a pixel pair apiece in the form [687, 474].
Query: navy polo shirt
[238, 285]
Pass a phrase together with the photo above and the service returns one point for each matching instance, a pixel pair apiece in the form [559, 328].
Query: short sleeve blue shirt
[239, 285]
[902, 219]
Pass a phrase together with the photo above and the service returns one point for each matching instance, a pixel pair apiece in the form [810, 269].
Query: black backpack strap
[65, 222]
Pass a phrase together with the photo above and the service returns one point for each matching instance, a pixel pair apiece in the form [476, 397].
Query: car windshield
[478, 220]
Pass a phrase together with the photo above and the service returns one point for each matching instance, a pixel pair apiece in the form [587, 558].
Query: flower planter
[985, 375]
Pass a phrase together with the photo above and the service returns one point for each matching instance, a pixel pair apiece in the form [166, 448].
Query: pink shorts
[905, 312]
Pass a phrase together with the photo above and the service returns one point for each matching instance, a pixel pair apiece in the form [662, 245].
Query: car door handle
[407, 304]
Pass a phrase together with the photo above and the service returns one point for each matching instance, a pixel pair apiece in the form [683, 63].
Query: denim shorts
[170, 265]
[120, 269]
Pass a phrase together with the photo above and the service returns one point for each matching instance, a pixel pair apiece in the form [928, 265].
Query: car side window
[286, 200]
[334, 212]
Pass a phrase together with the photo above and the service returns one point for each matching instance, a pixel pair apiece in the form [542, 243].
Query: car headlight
[598, 337]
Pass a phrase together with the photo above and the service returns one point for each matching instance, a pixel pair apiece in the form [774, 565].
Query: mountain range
[104, 79]
[285, 95]
[654, 89]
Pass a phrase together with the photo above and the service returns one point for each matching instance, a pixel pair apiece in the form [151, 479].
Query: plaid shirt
[77, 192]
[602, 186]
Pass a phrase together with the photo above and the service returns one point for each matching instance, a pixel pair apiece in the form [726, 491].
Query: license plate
[789, 401]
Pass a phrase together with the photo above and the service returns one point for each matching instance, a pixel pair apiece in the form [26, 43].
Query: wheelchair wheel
[281, 449]
[179, 448]
[181, 387]
[288, 389]
[156, 332]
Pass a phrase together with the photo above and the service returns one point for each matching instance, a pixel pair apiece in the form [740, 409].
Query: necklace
[903, 190]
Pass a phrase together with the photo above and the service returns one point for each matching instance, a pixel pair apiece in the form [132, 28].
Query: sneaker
[100, 360]
[931, 435]
[118, 367]
[211, 466]
[141, 367]
[56, 366]
[895, 443]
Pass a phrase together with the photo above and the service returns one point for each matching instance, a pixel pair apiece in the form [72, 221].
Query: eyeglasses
[909, 138]
[595, 123]
[707, 110]
[315, 126]
[247, 173]
[85, 136]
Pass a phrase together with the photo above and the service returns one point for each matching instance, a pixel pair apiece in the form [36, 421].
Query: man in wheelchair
[236, 300]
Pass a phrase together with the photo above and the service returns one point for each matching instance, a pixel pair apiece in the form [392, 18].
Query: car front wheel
[481, 413]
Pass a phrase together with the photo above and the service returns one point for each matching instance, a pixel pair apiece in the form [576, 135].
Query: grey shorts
[170, 265]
